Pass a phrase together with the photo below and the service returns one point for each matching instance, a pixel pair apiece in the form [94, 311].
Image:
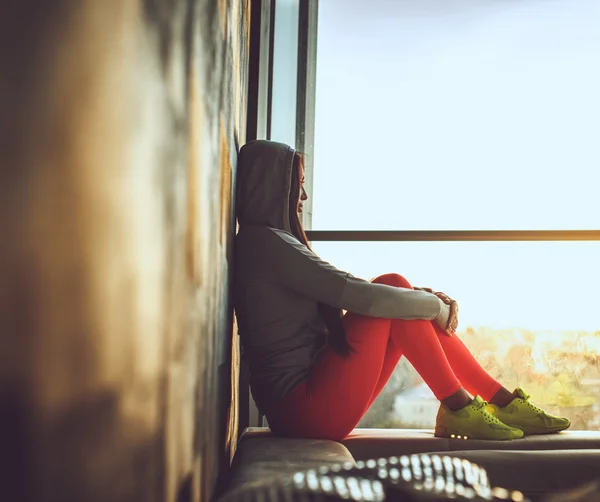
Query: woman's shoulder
[263, 232]
[267, 239]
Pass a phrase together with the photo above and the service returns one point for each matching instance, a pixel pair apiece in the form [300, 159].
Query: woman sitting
[315, 372]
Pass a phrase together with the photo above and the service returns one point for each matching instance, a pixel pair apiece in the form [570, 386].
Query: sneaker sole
[442, 432]
[552, 430]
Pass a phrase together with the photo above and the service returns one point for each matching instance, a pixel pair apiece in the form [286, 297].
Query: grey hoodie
[278, 282]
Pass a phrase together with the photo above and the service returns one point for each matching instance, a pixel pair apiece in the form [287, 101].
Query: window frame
[452, 235]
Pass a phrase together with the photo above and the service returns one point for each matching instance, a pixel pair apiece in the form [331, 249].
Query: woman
[313, 372]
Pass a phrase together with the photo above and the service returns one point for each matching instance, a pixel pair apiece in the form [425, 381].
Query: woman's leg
[339, 391]
[406, 335]
[472, 376]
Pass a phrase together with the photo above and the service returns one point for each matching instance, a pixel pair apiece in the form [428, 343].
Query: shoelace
[484, 405]
[534, 407]
[525, 397]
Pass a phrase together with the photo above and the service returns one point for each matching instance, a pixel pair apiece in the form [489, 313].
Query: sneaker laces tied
[481, 404]
[523, 395]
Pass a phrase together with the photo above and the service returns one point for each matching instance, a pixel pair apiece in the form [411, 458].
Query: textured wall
[120, 125]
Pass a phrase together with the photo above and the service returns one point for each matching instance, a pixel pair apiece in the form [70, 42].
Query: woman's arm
[289, 263]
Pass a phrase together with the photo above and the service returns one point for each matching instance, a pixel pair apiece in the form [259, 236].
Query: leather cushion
[261, 456]
[535, 465]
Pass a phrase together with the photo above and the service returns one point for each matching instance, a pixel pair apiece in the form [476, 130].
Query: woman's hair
[336, 335]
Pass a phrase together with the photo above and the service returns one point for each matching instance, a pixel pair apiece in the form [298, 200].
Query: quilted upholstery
[539, 472]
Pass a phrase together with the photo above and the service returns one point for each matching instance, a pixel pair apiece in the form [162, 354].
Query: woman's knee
[395, 280]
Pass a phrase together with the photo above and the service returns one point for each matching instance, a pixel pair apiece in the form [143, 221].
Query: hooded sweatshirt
[278, 282]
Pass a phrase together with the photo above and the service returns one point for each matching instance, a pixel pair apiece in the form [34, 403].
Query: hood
[264, 177]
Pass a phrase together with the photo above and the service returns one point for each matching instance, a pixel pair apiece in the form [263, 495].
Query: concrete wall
[119, 129]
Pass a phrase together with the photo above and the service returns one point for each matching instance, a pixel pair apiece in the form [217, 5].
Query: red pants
[340, 390]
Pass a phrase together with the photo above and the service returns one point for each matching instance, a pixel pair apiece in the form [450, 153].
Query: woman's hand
[452, 318]
[452, 323]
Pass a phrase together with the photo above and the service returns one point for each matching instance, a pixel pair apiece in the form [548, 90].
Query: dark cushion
[535, 465]
[375, 443]
[260, 456]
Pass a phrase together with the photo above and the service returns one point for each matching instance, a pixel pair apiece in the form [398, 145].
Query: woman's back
[280, 329]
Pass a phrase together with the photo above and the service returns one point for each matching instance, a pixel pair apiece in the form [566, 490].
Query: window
[450, 114]
[455, 116]
[456, 140]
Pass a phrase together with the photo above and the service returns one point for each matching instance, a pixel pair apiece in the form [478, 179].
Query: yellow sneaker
[525, 415]
[474, 421]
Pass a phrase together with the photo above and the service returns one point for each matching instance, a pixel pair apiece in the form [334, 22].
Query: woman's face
[303, 195]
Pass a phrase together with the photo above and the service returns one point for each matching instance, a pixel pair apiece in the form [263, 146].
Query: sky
[465, 115]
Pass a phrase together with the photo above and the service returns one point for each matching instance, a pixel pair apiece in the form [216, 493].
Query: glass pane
[528, 312]
[285, 64]
[454, 114]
